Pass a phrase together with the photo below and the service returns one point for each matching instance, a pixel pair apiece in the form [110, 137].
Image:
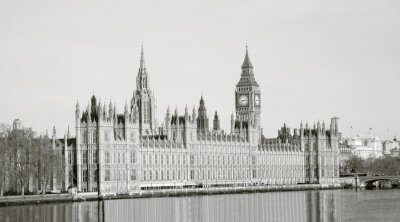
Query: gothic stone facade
[123, 153]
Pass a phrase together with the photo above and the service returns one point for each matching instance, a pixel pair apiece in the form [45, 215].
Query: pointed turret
[202, 119]
[99, 108]
[194, 114]
[110, 110]
[201, 102]
[168, 119]
[142, 78]
[126, 108]
[232, 122]
[142, 65]
[77, 110]
[216, 126]
[104, 110]
[88, 108]
[77, 106]
[176, 116]
[93, 110]
[247, 63]
[186, 114]
[247, 76]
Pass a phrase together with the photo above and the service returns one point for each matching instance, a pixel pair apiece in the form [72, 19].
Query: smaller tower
[93, 109]
[168, 123]
[202, 119]
[186, 114]
[194, 114]
[216, 126]
[77, 112]
[232, 123]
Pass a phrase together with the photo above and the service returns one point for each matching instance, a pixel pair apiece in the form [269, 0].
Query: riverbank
[57, 198]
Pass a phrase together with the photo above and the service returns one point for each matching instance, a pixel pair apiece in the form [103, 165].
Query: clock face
[243, 100]
[257, 100]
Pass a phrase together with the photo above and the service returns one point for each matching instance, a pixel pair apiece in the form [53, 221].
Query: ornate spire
[142, 66]
[54, 130]
[246, 63]
[216, 115]
[202, 106]
[216, 122]
[247, 76]
[194, 113]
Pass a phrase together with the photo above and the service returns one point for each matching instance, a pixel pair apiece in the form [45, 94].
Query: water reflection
[84, 211]
[328, 205]
[286, 206]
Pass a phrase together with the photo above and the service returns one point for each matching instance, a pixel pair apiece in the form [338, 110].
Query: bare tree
[4, 162]
[20, 142]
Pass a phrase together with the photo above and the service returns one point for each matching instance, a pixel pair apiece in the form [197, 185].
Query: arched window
[94, 136]
[146, 112]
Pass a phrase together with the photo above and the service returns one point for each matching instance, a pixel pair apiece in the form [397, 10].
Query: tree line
[28, 162]
[386, 165]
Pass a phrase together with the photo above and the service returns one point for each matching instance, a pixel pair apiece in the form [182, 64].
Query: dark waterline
[324, 205]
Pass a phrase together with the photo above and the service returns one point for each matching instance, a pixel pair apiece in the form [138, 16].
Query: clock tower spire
[247, 95]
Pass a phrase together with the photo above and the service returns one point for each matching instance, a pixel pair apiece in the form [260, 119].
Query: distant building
[391, 147]
[364, 146]
[126, 152]
[346, 152]
[17, 124]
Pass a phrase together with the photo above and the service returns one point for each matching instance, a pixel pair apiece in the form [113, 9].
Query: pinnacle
[246, 62]
[142, 65]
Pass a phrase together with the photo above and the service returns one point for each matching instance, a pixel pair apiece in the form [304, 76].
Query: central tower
[143, 100]
[247, 95]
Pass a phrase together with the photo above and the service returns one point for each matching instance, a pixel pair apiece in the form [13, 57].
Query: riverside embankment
[54, 198]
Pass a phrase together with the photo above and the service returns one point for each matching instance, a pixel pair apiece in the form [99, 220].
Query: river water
[326, 205]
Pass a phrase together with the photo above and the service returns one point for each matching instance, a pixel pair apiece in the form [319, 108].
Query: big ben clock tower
[247, 95]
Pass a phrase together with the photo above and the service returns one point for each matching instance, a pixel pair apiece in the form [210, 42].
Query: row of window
[93, 136]
[117, 175]
[155, 175]
[119, 157]
[195, 159]
[88, 157]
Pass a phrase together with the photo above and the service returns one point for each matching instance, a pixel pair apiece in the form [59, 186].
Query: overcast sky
[312, 59]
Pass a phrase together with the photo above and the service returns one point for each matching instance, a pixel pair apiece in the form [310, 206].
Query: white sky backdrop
[312, 59]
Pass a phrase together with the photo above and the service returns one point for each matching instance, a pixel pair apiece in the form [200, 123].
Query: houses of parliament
[123, 152]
